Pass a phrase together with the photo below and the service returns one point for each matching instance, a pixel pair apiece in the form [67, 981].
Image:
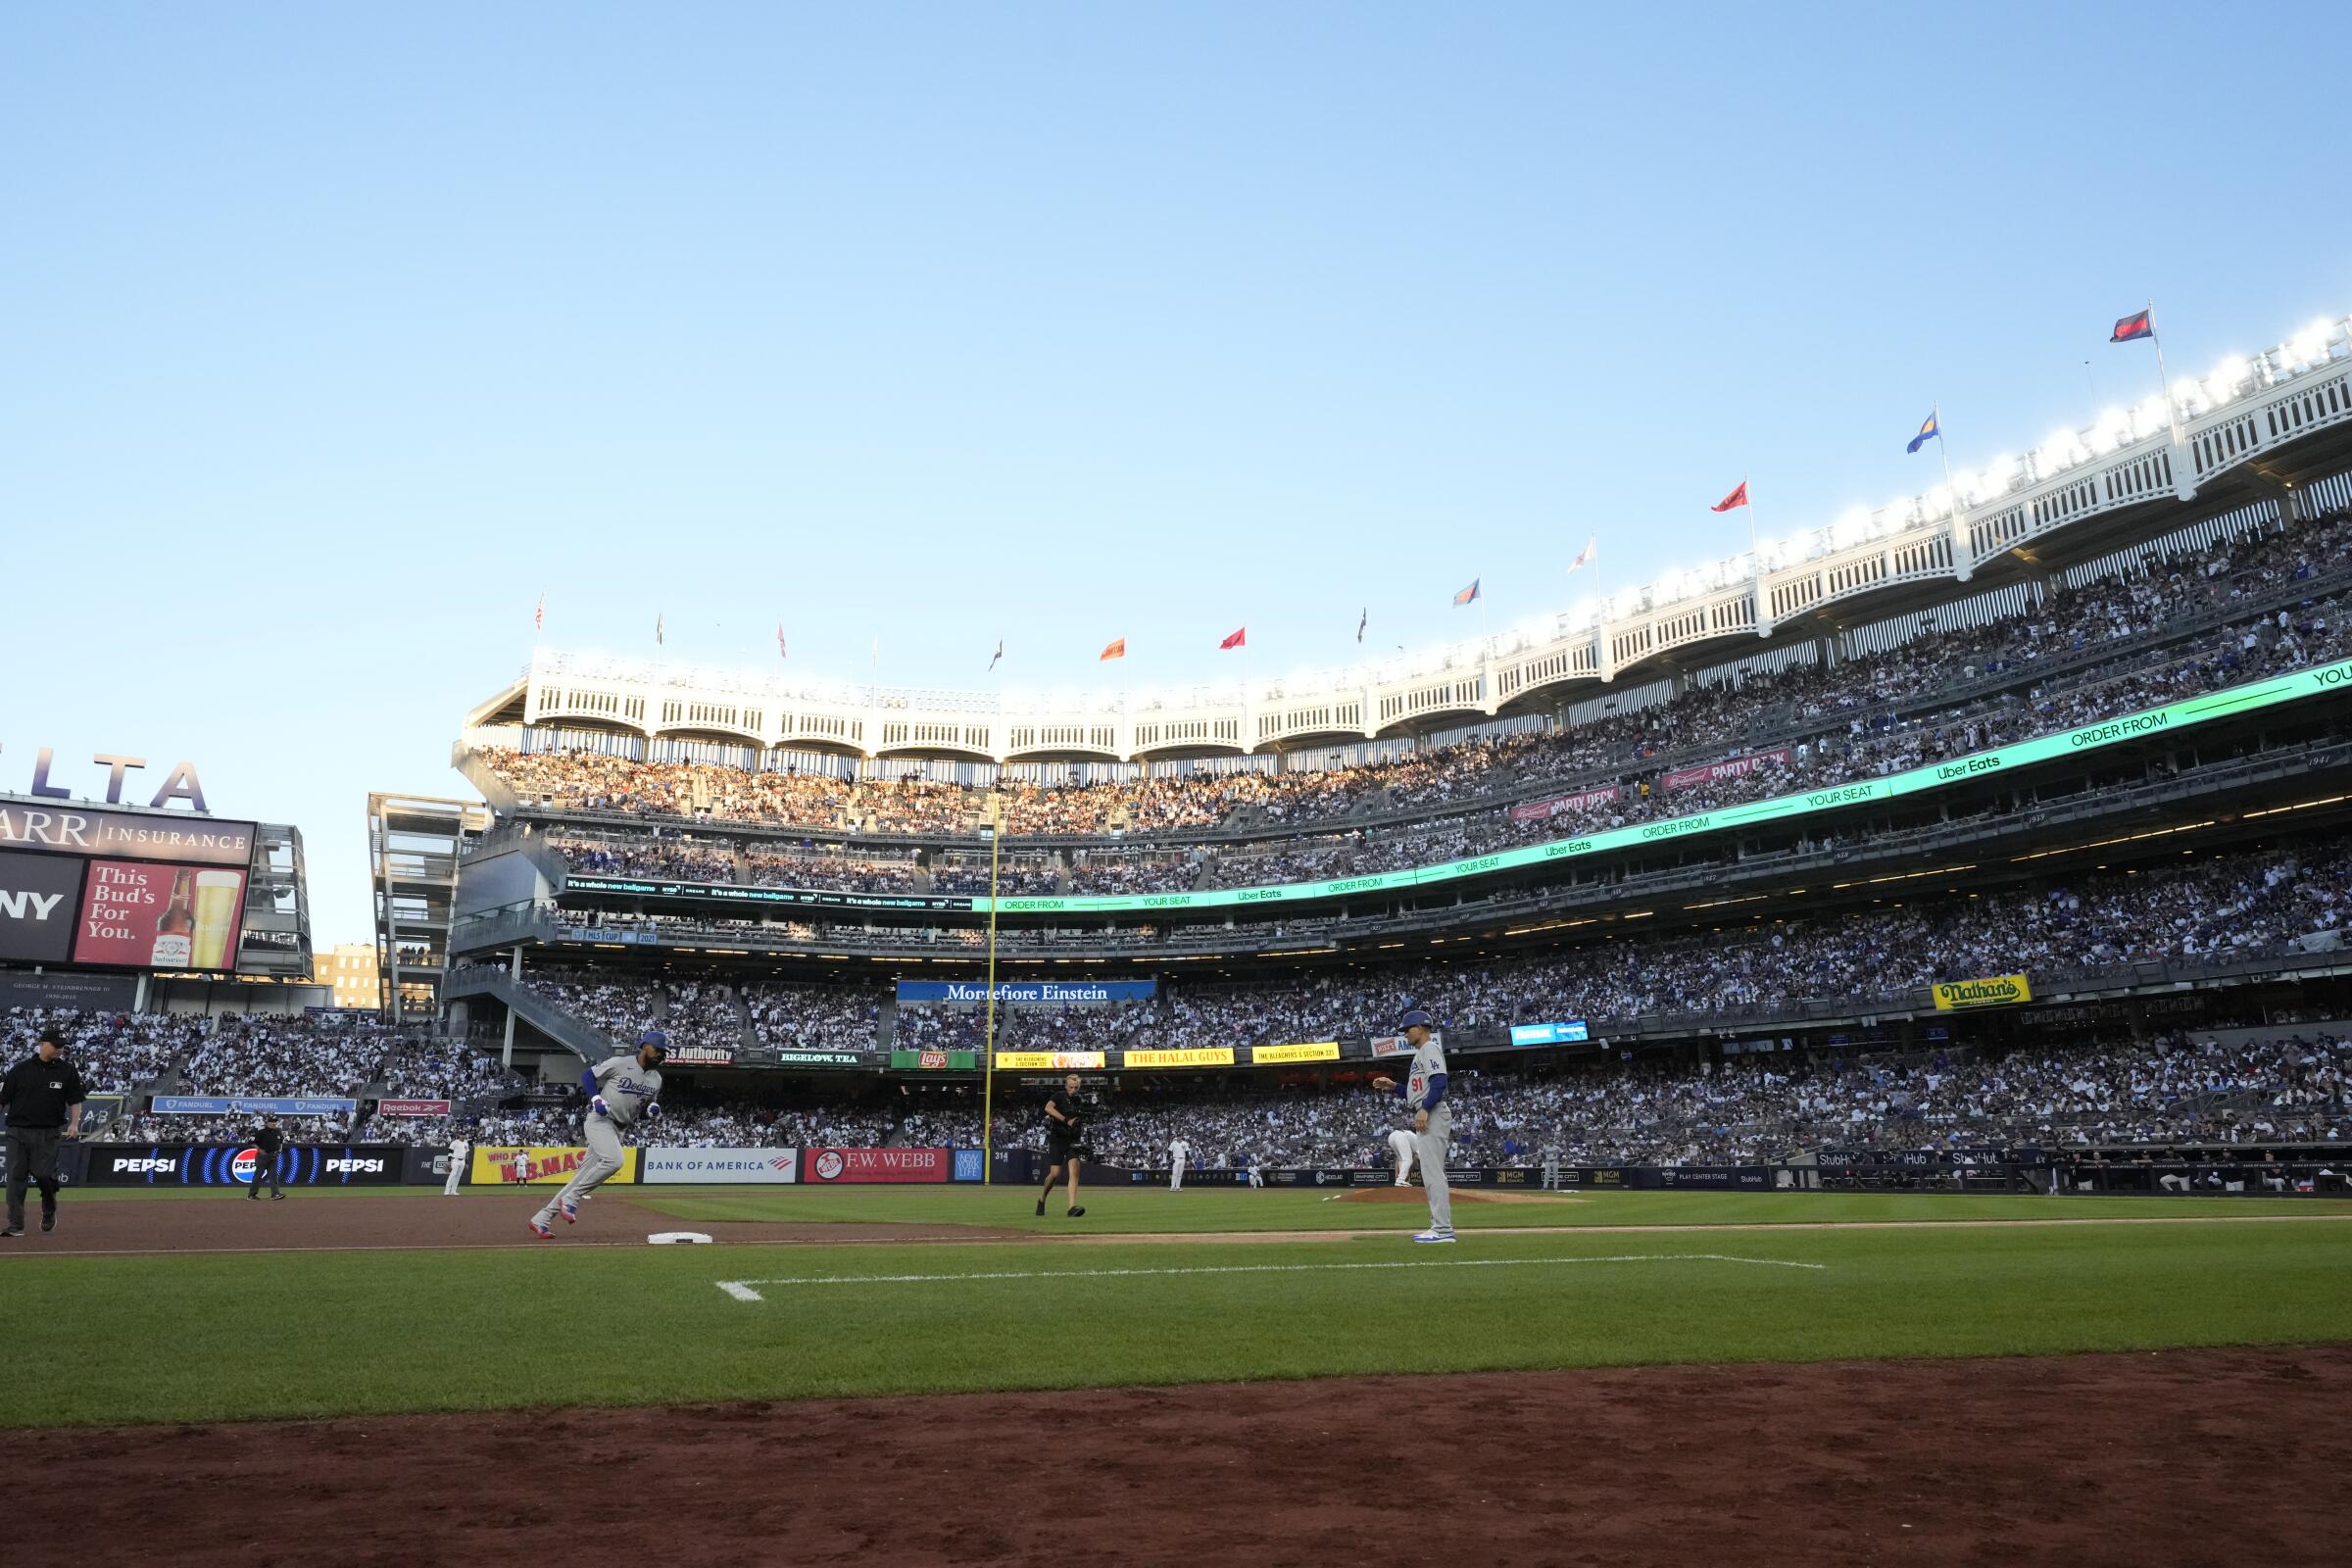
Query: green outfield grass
[1157, 1210]
[206, 1337]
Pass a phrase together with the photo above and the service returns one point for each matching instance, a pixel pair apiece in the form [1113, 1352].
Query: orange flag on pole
[1117, 649]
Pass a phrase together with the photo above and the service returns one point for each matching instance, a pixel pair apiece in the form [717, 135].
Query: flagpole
[2164, 384]
[1943, 451]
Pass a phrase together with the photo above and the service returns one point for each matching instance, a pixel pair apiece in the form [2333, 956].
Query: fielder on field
[1424, 1095]
[1178, 1153]
[619, 1090]
[457, 1149]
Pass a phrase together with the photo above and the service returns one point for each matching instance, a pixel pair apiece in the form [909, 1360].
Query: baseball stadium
[1842, 1050]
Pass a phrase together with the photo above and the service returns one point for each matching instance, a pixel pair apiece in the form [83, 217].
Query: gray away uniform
[627, 1089]
[1430, 1147]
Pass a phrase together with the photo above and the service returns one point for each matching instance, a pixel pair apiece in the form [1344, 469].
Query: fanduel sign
[1016, 991]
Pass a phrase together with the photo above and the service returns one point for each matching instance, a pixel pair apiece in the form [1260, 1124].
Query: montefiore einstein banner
[1029, 993]
[1998, 990]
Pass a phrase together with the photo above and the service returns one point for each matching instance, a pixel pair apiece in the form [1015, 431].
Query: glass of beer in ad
[216, 893]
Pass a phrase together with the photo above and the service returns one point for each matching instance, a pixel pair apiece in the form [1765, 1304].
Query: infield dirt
[2187, 1458]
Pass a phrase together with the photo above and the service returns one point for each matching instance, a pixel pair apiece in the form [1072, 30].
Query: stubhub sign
[738, 1166]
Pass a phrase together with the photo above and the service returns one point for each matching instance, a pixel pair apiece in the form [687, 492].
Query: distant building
[350, 969]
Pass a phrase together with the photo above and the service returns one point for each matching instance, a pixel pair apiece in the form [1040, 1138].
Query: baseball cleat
[13, 1229]
[1434, 1236]
[570, 1211]
[48, 1219]
[1076, 1212]
[544, 1232]
[1041, 1208]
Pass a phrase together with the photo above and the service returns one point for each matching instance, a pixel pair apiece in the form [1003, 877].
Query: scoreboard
[97, 887]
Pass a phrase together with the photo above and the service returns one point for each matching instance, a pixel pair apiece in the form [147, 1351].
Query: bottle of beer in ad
[175, 930]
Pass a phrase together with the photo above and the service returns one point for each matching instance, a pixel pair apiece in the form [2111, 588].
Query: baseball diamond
[698, 864]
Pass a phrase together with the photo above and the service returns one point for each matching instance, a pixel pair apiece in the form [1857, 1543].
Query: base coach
[42, 1097]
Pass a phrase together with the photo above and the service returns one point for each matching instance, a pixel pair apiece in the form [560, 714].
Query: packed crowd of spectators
[2132, 639]
[814, 1017]
[248, 1054]
[670, 858]
[115, 1052]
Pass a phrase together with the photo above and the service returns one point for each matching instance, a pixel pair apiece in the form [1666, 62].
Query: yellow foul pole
[987, 1053]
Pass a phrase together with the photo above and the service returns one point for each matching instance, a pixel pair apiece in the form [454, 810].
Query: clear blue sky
[336, 335]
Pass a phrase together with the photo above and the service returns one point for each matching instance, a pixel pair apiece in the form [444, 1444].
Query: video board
[119, 890]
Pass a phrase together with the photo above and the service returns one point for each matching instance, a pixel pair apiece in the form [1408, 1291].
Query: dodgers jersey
[1428, 1063]
[626, 1087]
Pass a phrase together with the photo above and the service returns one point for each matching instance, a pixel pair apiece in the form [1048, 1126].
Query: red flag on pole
[1240, 639]
[539, 615]
[2133, 327]
[1117, 649]
[1738, 498]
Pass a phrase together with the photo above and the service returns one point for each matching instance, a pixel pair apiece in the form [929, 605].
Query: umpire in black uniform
[1065, 1142]
[267, 1142]
[42, 1096]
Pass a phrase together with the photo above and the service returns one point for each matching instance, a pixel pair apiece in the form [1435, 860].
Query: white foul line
[742, 1290]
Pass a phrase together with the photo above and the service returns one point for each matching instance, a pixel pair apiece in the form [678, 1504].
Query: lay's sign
[1999, 991]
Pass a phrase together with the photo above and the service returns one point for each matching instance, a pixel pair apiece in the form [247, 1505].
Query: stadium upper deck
[2276, 428]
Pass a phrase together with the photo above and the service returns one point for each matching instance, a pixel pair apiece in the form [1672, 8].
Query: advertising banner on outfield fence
[934, 1060]
[699, 1056]
[1571, 1033]
[1274, 1055]
[1195, 1057]
[1019, 993]
[234, 1165]
[1996, 991]
[540, 1165]
[412, 1107]
[1398, 1046]
[1716, 772]
[842, 1167]
[740, 1166]
[1049, 1060]
[1583, 801]
[248, 1105]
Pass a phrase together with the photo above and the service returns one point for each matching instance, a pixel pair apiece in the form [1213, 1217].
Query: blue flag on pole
[1929, 430]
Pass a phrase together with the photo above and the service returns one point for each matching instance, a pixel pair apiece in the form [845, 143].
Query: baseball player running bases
[1424, 1095]
[619, 1090]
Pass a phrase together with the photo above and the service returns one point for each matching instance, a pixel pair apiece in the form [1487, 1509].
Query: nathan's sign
[125, 835]
[1716, 772]
[1583, 801]
[178, 785]
[1999, 991]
